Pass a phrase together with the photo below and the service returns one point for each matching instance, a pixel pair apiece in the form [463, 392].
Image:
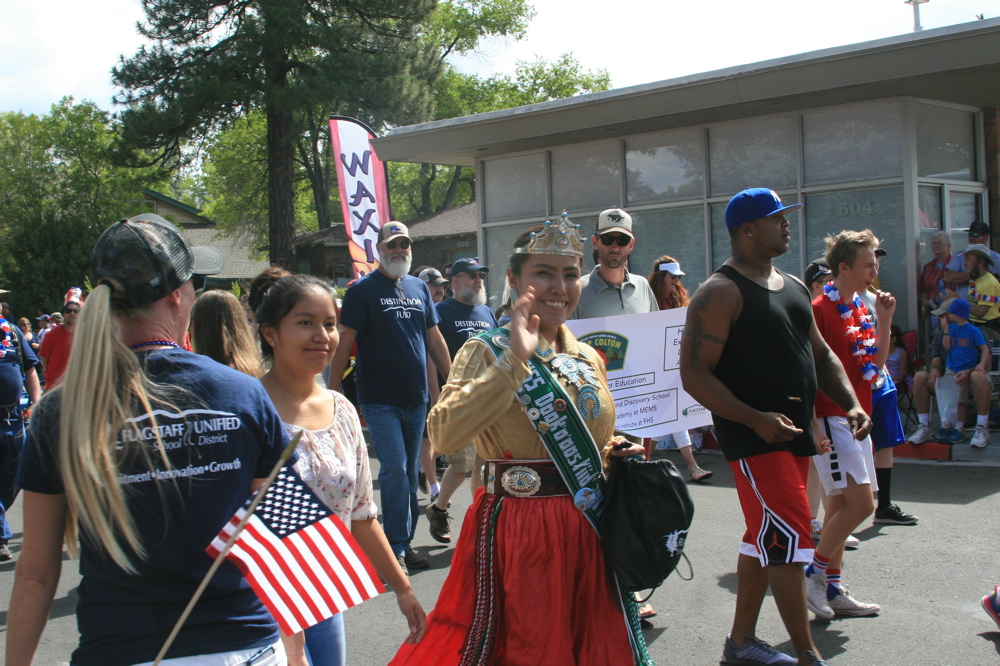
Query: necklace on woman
[155, 343]
[859, 330]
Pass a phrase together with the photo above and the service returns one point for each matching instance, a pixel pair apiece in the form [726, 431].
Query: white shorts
[846, 457]
[273, 656]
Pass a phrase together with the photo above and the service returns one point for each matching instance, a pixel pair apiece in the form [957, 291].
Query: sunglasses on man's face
[973, 234]
[403, 243]
[608, 239]
[72, 311]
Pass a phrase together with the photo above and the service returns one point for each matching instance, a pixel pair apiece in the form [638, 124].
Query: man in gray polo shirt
[610, 289]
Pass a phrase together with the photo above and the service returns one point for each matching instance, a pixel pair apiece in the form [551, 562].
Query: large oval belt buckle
[521, 481]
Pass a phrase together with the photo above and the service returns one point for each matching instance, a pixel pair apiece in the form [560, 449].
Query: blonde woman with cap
[144, 453]
[528, 582]
[665, 280]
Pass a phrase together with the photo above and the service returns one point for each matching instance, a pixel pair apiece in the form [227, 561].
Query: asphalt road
[928, 579]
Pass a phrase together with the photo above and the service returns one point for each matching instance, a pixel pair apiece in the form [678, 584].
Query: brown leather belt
[523, 478]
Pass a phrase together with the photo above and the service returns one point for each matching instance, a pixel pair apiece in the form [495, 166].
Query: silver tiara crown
[563, 238]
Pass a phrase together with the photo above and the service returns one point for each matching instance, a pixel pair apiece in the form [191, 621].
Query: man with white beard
[391, 316]
[462, 317]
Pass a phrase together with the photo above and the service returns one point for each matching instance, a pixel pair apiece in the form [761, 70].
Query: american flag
[298, 556]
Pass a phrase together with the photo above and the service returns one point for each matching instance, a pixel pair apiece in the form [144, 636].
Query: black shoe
[4, 553]
[425, 487]
[438, 523]
[402, 564]
[414, 561]
[893, 515]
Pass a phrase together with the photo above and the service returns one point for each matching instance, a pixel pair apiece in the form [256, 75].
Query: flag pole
[285, 456]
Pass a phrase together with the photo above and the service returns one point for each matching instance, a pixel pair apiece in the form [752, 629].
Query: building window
[586, 178]
[679, 232]
[857, 143]
[514, 187]
[763, 153]
[879, 209]
[666, 167]
[946, 142]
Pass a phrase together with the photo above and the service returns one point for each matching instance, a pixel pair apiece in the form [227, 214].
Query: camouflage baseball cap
[143, 259]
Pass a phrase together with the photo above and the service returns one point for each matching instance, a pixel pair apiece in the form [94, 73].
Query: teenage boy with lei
[847, 469]
[968, 362]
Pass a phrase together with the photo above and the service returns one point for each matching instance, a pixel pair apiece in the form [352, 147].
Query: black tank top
[768, 364]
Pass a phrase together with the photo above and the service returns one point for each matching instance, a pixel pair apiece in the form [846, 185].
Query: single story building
[898, 135]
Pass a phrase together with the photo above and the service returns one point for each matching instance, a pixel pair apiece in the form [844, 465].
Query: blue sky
[53, 48]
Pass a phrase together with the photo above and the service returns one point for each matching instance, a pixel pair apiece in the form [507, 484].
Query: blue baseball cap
[468, 265]
[754, 203]
[960, 308]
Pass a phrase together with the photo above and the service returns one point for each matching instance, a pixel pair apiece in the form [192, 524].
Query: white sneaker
[852, 542]
[817, 529]
[816, 596]
[981, 438]
[845, 604]
[921, 434]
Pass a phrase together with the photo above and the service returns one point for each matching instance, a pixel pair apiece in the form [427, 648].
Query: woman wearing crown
[528, 584]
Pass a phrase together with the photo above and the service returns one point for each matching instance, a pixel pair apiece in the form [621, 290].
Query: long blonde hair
[219, 330]
[100, 392]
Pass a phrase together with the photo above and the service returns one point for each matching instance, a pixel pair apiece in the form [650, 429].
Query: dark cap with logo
[817, 270]
[432, 276]
[468, 265]
[143, 259]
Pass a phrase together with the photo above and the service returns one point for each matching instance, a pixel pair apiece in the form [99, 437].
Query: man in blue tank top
[748, 321]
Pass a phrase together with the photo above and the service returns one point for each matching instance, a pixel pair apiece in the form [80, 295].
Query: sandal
[698, 474]
[646, 611]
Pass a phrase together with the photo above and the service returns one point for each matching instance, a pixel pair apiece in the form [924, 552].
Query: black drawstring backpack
[646, 521]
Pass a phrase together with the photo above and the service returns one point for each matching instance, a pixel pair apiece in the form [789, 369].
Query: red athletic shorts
[772, 491]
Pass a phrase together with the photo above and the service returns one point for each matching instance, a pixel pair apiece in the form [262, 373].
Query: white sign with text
[642, 356]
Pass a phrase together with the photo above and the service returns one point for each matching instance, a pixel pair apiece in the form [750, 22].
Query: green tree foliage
[422, 189]
[211, 63]
[235, 162]
[59, 190]
[235, 181]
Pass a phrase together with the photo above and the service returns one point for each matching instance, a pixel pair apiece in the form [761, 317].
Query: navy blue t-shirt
[225, 434]
[459, 322]
[11, 380]
[391, 318]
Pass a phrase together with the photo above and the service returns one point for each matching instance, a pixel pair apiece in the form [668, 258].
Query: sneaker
[754, 651]
[852, 542]
[414, 561]
[921, 435]
[422, 484]
[816, 596]
[893, 515]
[981, 438]
[817, 529]
[438, 523]
[954, 436]
[4, 553]
[989, 605]
[846, 605]
[401, 559]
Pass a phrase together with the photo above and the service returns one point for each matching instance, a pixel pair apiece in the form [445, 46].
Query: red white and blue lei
[860, 332]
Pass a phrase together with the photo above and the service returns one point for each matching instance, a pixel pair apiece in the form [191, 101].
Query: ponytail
[101, 389]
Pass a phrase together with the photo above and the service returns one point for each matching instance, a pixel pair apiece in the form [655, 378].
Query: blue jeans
[396, 433]
[11, 442]
[325, 642]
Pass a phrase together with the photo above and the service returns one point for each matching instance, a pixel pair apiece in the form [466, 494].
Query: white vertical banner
[364, 191]
[642, 355]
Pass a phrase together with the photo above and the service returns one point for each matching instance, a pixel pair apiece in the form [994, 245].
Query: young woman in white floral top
[298, 333]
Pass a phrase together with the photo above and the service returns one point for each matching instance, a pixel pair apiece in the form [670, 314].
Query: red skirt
[553, 600]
